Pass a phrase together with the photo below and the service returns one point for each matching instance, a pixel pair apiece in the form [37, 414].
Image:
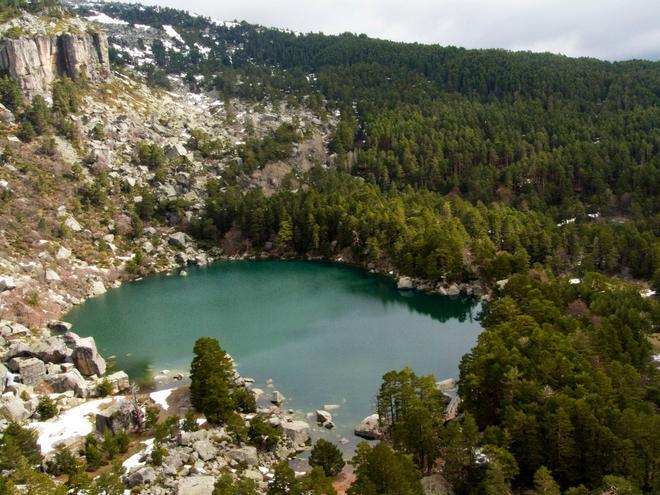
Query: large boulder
[13, 408]
[296, 431]
[7, 283]
[32, 371]
[196, 485]
[57, 325]
[369, 428]
[205, 449]
[119, 381]
[51, 350]
[277, 398]
[86, 357]
[323, 417]
[179, 239]
[70, 381]
[142, 476]
[404, 283]
[244, 455]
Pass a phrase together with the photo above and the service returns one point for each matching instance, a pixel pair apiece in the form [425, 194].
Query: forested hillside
[576, 140]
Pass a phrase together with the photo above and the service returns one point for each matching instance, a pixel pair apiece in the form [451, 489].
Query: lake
[323, 333]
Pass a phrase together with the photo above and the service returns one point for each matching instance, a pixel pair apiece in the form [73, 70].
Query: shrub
[244, 400]
[47, 408]
[104, 388]
[262, 434]
[328, 457]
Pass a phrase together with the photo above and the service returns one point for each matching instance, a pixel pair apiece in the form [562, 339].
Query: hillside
[138, 140]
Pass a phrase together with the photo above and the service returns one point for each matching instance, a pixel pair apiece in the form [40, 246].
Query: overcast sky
[607, 29]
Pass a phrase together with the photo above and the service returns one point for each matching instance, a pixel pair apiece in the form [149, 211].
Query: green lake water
[324, 333]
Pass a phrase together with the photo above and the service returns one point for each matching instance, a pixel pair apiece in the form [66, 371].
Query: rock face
[32, 371]
[369, 428]
[86, 357]
[196, 485]
[297, 431]
[34, 62]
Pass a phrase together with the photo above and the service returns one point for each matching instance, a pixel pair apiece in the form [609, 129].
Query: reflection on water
[324, 333]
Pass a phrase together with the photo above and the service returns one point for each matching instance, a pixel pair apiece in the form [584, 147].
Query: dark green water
[325, 334]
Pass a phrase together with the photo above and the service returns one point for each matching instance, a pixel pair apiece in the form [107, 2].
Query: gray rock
[6, 116]
[205, 450]
[69, 381]
[87, 359]
[63, 253]
[244, 455]
[453, 290]
[7, 283]
[32, 371]
[51, 350]
[404, 283]
[143, 476]
[195, 485]
[322, 417]
[179, 239]
[296, 431]
[4, 376]
[119, 381]
[190, 437]
[369, 428]
[59, 326]
[277, 398]
[13, 408]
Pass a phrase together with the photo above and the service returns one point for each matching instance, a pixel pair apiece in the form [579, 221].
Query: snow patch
[70, 424]
[160, 397]
[574, 281]
[105, 19]
[171, 32]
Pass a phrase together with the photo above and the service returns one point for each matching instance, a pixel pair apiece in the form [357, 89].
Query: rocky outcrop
[34, 62]
[369, 428]
[86, 357]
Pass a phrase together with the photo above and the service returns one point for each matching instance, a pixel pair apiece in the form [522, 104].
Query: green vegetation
[47, 408]
[211, 381]
[381, 471]
[328, 457]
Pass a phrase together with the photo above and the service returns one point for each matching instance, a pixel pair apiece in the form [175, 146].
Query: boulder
[296, 431]
[7, 283]
[205, 449]
[191, 437]
[244, 455]
[69, 381]
[98, 288]
[195, 485]
[119, 381]
[121, 415]
[404, 283]
[59, 326]
[51, 350]
[4, 377]
[369, 428]
[453, 290]
[179, 239]
[323, 417]
[63, 254]
[52, 276]
[87, 359]
[277, 398]
[142, 476]
[6, 116]
[445, 385]
[13, 408]
[32, 371]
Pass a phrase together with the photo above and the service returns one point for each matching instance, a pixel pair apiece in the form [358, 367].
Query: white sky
[607, 29]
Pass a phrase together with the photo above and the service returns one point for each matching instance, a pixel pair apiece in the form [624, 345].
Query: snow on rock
[134, 461]
[72, 423]
[171, 32]
[160, 397]
[105, 19]
[647, 293]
